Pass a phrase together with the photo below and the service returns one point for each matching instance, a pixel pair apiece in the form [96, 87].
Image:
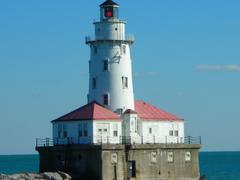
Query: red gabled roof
[148, 112]
[91, 111]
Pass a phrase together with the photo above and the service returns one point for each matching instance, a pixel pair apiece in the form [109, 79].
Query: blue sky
[186, 60]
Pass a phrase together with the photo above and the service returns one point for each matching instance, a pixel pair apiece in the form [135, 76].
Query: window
[114, 158]
[153, 157]
[171, 133]
[188, 156]
[95, 49]
[65, 131]
[115, 130]
[150, 130]
[136, 124]
[108, 12]
[85, 130]
[115, 133]
[124, 49]
[124, 82]
[105, 99]
[94, 83]
[176, 133]
[80, 132]
[60, 129]
[105, 65]
[170, 156]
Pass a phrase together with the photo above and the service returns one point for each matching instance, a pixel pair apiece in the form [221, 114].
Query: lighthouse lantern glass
[109, 12]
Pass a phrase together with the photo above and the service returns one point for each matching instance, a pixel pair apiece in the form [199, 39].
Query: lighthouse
[110, 64]
[111, 114]
[113, 136]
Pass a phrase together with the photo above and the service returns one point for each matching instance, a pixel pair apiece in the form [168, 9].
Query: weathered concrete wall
[110, 162]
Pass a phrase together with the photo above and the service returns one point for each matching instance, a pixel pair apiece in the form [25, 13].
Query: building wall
[72, 129]
[171, 161]
[107, 136]
[160, 131]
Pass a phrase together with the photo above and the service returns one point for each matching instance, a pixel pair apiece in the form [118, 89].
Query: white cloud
[218, 67]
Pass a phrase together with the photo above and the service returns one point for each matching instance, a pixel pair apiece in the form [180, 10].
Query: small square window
[94, 83]
[65, 131]
[105, 65]
[124, 49]
[60, 130]
[176, 133]
[105, 99]
[80, 132]
[124, 82]
[85, 130]
[95, 49]
[150, 130]
[153, 157]
[170, 156]
[171, 133]
[187, 156]
[65, 134]
[115, 133]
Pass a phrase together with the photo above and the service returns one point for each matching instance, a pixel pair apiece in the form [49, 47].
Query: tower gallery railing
[47, 142]
[128, 38]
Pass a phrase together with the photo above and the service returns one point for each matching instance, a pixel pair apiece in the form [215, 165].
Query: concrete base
[122, 162]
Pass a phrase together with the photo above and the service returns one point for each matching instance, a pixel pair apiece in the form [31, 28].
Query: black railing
[117, 140]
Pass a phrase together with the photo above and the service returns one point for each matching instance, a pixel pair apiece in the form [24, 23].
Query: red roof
[148, 112]
[91, 111]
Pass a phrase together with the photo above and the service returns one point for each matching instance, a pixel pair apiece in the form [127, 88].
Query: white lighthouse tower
[114, 136]
[111, 114]
[110, 66]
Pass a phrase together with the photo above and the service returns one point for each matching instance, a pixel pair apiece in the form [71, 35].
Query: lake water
[215, 165]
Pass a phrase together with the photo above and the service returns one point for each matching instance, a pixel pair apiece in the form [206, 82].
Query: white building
[112, 115]
[89, 124]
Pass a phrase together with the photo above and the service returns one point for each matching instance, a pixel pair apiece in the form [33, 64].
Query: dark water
[215, 165]
[220, 165]
[19, 163]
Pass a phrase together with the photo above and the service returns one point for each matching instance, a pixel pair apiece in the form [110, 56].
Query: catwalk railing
[128, 37]
[116, 140]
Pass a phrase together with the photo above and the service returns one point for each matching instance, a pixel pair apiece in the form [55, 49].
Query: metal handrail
[115, 140]
[128, 37]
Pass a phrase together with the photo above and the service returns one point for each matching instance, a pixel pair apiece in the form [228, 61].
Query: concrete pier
[122, 162]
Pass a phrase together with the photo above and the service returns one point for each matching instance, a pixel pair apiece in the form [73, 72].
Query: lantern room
[109, 10]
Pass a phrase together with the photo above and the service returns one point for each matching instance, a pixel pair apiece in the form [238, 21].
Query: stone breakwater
[41, 176]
